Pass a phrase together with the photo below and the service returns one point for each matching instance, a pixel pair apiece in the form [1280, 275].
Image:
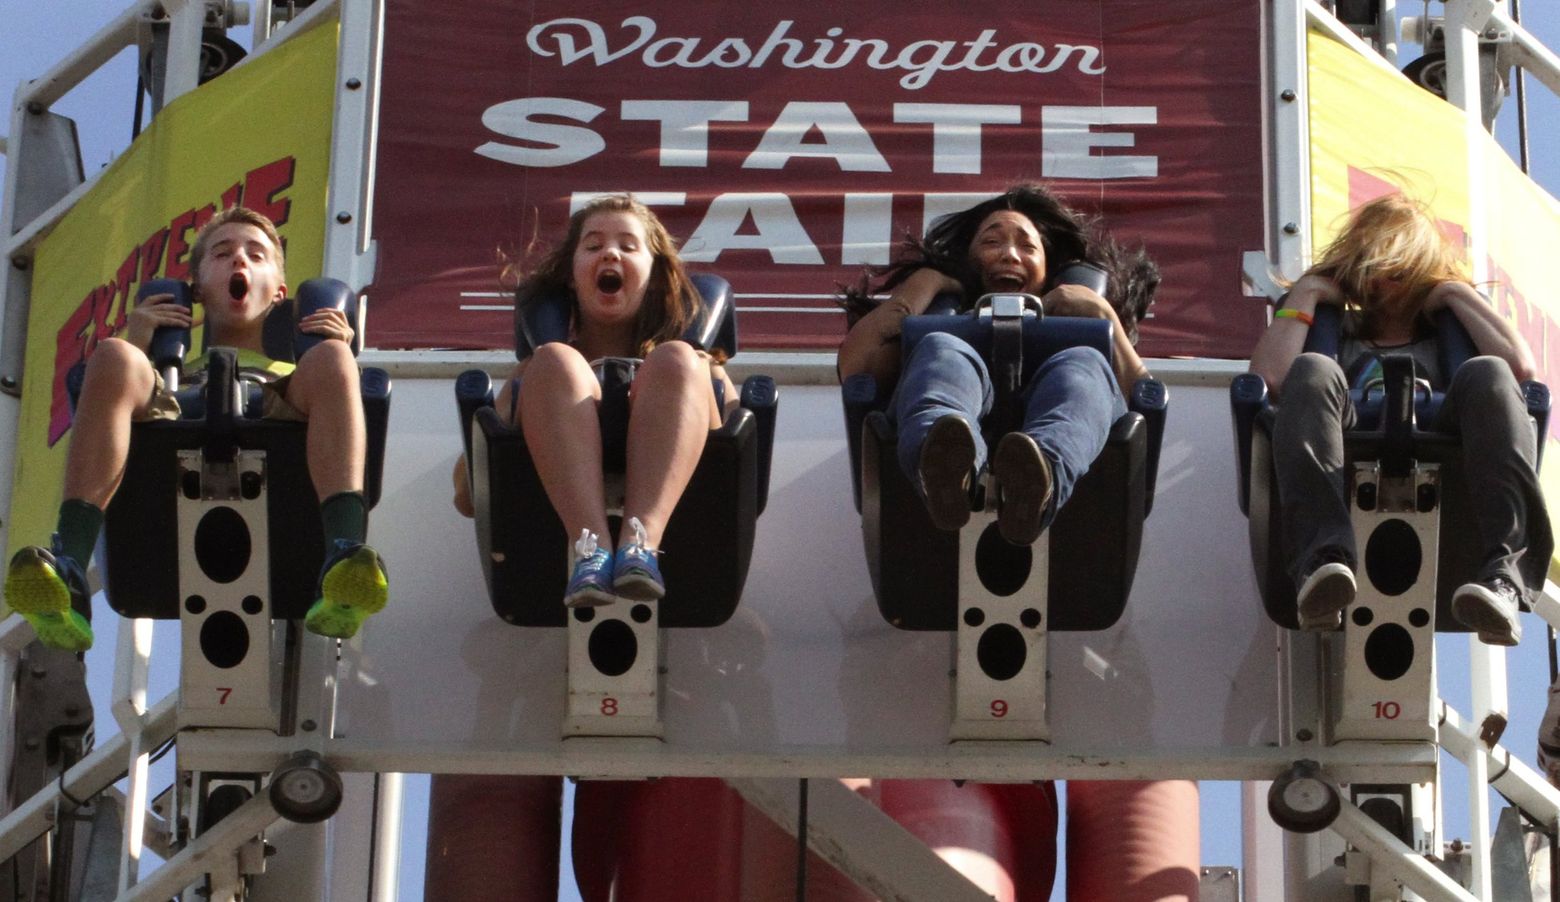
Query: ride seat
[141, 561]
[1387, 430]
[708, 543]
[1095, 538]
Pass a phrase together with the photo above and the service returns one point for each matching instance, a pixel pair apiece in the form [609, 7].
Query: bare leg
[558, 401]
[117, 388]
[672, 409]
[324, 388]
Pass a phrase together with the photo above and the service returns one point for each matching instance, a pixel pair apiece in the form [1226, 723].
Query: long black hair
[1065, 234]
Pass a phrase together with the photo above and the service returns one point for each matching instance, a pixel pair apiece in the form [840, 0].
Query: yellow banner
[258, 135]
[1373, 132]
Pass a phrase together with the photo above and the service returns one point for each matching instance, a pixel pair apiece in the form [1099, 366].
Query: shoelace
[638, 547]
[585, 546]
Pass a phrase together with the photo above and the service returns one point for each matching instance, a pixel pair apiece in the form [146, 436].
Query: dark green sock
[345, 516]
[79, 525]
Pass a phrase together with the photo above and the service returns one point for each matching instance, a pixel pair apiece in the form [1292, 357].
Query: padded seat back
[1459, 559]
[1094, 540]
[141, 557]
[708, 544]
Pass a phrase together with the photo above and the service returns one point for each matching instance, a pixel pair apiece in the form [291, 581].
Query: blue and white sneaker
[635, 574]
[591, 583]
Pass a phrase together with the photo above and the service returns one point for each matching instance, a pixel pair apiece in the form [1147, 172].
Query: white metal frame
[142, 730]
[350, 256]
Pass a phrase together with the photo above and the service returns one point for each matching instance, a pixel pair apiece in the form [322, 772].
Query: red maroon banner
[787, 146]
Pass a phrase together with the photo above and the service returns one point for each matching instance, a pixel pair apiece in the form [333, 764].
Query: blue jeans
[1069, 405]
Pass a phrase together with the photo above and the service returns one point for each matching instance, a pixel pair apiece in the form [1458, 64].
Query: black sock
[79, 525]
[345, 516]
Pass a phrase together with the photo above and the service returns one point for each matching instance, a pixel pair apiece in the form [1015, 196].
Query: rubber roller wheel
[1303, 800]
[305, 790]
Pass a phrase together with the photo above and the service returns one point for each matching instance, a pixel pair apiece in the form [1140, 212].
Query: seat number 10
[1387, 710]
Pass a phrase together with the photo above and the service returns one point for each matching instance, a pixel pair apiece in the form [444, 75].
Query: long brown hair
[670, 301]
[1395, 238]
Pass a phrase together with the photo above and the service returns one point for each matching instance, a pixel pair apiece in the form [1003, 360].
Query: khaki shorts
[164, 406]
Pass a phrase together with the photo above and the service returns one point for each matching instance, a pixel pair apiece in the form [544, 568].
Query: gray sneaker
[1490, 609]
[1327, 589]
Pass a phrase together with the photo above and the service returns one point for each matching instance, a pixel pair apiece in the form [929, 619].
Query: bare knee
[328, 363]
[553, 365]
[326, 378]
[117, 370]
[674, 361]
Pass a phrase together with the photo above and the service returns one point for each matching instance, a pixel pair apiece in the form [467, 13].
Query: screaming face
[1008, 253]
[238, 281]
[612, 267]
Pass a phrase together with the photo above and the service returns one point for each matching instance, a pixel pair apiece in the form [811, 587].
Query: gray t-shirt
[1361, 361]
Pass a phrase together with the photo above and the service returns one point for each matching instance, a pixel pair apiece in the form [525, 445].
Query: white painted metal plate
[807, 667]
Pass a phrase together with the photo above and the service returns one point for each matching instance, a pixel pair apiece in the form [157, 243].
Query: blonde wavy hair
[1388, 258]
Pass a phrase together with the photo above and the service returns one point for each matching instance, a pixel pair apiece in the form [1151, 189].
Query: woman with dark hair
[1015, 242]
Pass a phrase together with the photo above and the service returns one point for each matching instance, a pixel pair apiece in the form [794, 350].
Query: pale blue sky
[35, 34]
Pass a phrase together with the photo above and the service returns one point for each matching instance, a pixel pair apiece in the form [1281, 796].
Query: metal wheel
[305, 789]
[1303, 800]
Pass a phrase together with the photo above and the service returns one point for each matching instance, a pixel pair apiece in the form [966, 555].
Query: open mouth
[1006, 281]
[238, 286]
[609, 282]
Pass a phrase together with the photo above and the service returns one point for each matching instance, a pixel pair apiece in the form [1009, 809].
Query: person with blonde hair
[239, 273]
[1390, 270]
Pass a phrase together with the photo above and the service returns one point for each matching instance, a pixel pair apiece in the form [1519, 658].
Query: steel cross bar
[90, 776]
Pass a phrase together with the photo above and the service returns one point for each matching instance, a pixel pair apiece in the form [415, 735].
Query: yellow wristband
[1286, 313]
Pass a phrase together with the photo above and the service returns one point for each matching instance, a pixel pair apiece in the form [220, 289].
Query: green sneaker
[47, 587]
[353, 586]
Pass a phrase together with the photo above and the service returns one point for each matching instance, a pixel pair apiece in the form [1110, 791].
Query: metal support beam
[1287, 101]
[1547, 605]
[221, 841]
[242, 750]
[866, 845]
[354, 134]
[186, 20]
[1509, 775]
[105, 765]
[1388, 853]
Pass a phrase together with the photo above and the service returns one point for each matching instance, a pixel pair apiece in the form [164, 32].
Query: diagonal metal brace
[1391, 855]
[221, 841]
[106, 764]
[868, 846]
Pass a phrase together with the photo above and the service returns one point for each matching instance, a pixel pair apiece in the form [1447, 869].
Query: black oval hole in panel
[1393, 557]
[1389, 651]
[1003, 568]
[612, 647]
[224, 639]
[1001, 651]
[222, 544]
